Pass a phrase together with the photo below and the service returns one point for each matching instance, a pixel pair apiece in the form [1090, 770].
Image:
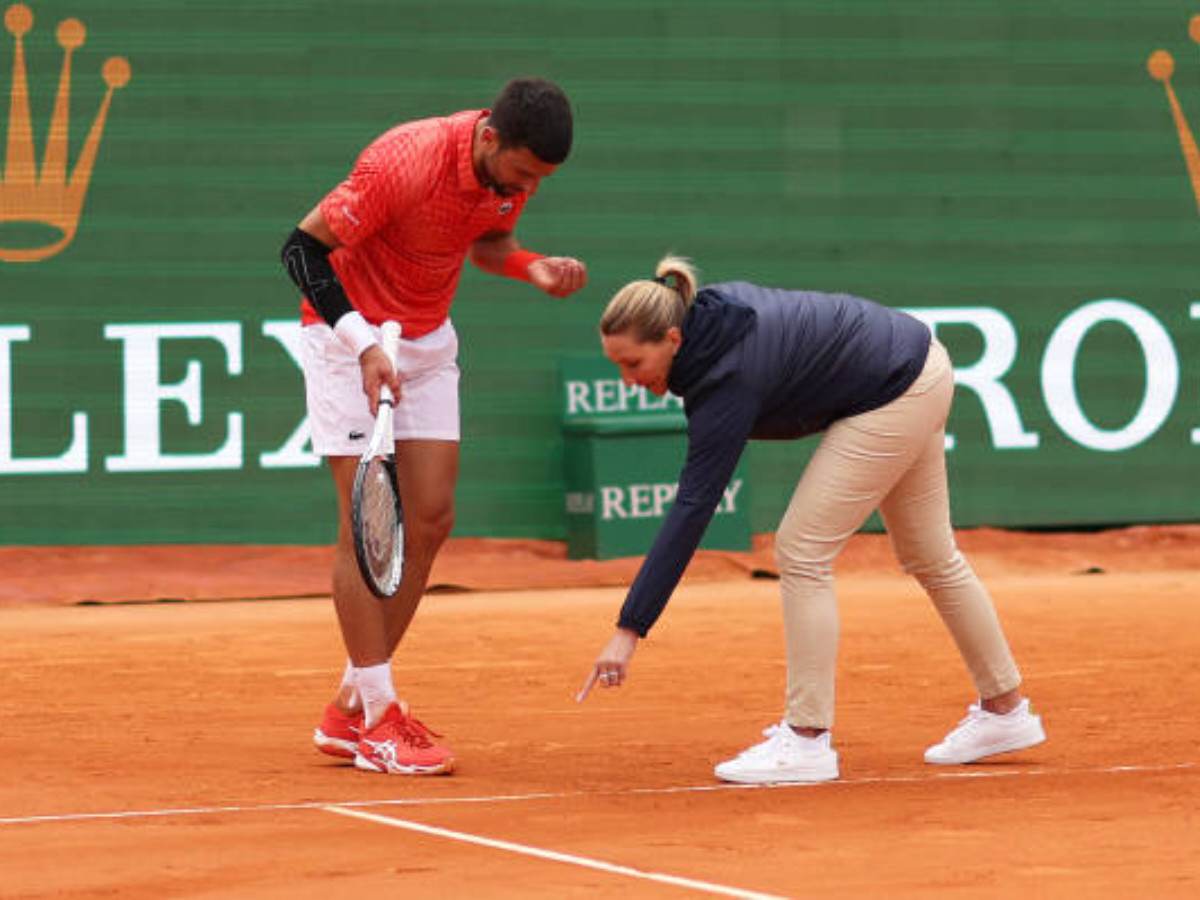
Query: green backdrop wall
[1008, 169]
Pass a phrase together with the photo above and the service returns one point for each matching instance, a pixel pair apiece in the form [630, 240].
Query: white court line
[524, 849]
[565, 795]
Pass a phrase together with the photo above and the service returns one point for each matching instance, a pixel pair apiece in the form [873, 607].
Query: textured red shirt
[406, 217]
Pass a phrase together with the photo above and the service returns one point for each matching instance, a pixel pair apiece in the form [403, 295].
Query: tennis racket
[376, 516]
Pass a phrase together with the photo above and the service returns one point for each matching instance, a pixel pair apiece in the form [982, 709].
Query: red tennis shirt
[406, 217]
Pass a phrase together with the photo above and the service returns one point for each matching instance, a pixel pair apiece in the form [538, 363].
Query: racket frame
[381, 446]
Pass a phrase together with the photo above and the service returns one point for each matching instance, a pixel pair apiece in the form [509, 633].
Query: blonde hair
[647, 308]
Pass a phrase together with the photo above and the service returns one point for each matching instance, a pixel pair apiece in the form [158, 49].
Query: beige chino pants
[893, 459]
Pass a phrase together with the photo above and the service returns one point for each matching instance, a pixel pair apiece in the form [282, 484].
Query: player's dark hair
[534, 113]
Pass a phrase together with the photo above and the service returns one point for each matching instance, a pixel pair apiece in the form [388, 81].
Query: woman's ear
[674, 337]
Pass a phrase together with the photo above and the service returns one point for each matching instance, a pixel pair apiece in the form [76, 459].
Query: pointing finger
[587, 685]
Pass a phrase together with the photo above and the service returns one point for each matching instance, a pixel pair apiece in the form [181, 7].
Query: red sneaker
[338, 732]
[401, 745]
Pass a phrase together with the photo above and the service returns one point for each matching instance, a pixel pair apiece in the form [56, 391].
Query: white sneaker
[783, 757]
[983, 733]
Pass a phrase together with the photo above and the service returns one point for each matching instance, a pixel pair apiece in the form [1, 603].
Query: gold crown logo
[1162, 66]
[49, 197]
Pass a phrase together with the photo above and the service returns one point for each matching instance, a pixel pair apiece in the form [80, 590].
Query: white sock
[374, 685]
[354, 698]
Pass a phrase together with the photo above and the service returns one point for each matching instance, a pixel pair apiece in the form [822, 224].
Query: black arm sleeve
[307, 262]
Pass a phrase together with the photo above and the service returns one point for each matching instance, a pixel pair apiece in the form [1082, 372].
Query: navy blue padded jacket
[765, 363]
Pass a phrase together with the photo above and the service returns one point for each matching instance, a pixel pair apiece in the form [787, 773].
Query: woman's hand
[612, 665]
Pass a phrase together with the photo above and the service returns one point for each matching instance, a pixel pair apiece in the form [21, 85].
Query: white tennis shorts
[338, 413]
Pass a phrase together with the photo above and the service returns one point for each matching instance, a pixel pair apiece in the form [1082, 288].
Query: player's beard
[490, 181]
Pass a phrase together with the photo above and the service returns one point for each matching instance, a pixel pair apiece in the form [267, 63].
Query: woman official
[758, 362]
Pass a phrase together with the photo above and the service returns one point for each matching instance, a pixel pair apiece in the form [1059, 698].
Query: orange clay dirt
[163, 750]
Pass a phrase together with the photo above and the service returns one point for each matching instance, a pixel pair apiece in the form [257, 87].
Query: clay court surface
[162, 749]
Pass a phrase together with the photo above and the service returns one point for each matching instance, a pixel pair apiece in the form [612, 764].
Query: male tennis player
[389, 243]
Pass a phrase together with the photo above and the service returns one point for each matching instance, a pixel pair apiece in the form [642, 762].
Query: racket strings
[380, 526]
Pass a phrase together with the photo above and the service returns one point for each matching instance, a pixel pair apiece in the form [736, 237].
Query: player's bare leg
[427, 472]
[365, 722]
[362, 622]
[360, 614]
[391, 739]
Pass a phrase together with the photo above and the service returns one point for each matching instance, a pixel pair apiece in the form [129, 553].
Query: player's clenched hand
[612, 665]
[376, 372]
[558, 276]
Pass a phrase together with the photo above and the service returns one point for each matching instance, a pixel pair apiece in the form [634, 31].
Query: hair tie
[659, 279]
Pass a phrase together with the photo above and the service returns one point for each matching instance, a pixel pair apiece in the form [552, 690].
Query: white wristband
[355, 332]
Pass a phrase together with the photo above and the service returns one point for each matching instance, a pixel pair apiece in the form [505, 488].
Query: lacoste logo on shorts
[506, 208]
[356, 435]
